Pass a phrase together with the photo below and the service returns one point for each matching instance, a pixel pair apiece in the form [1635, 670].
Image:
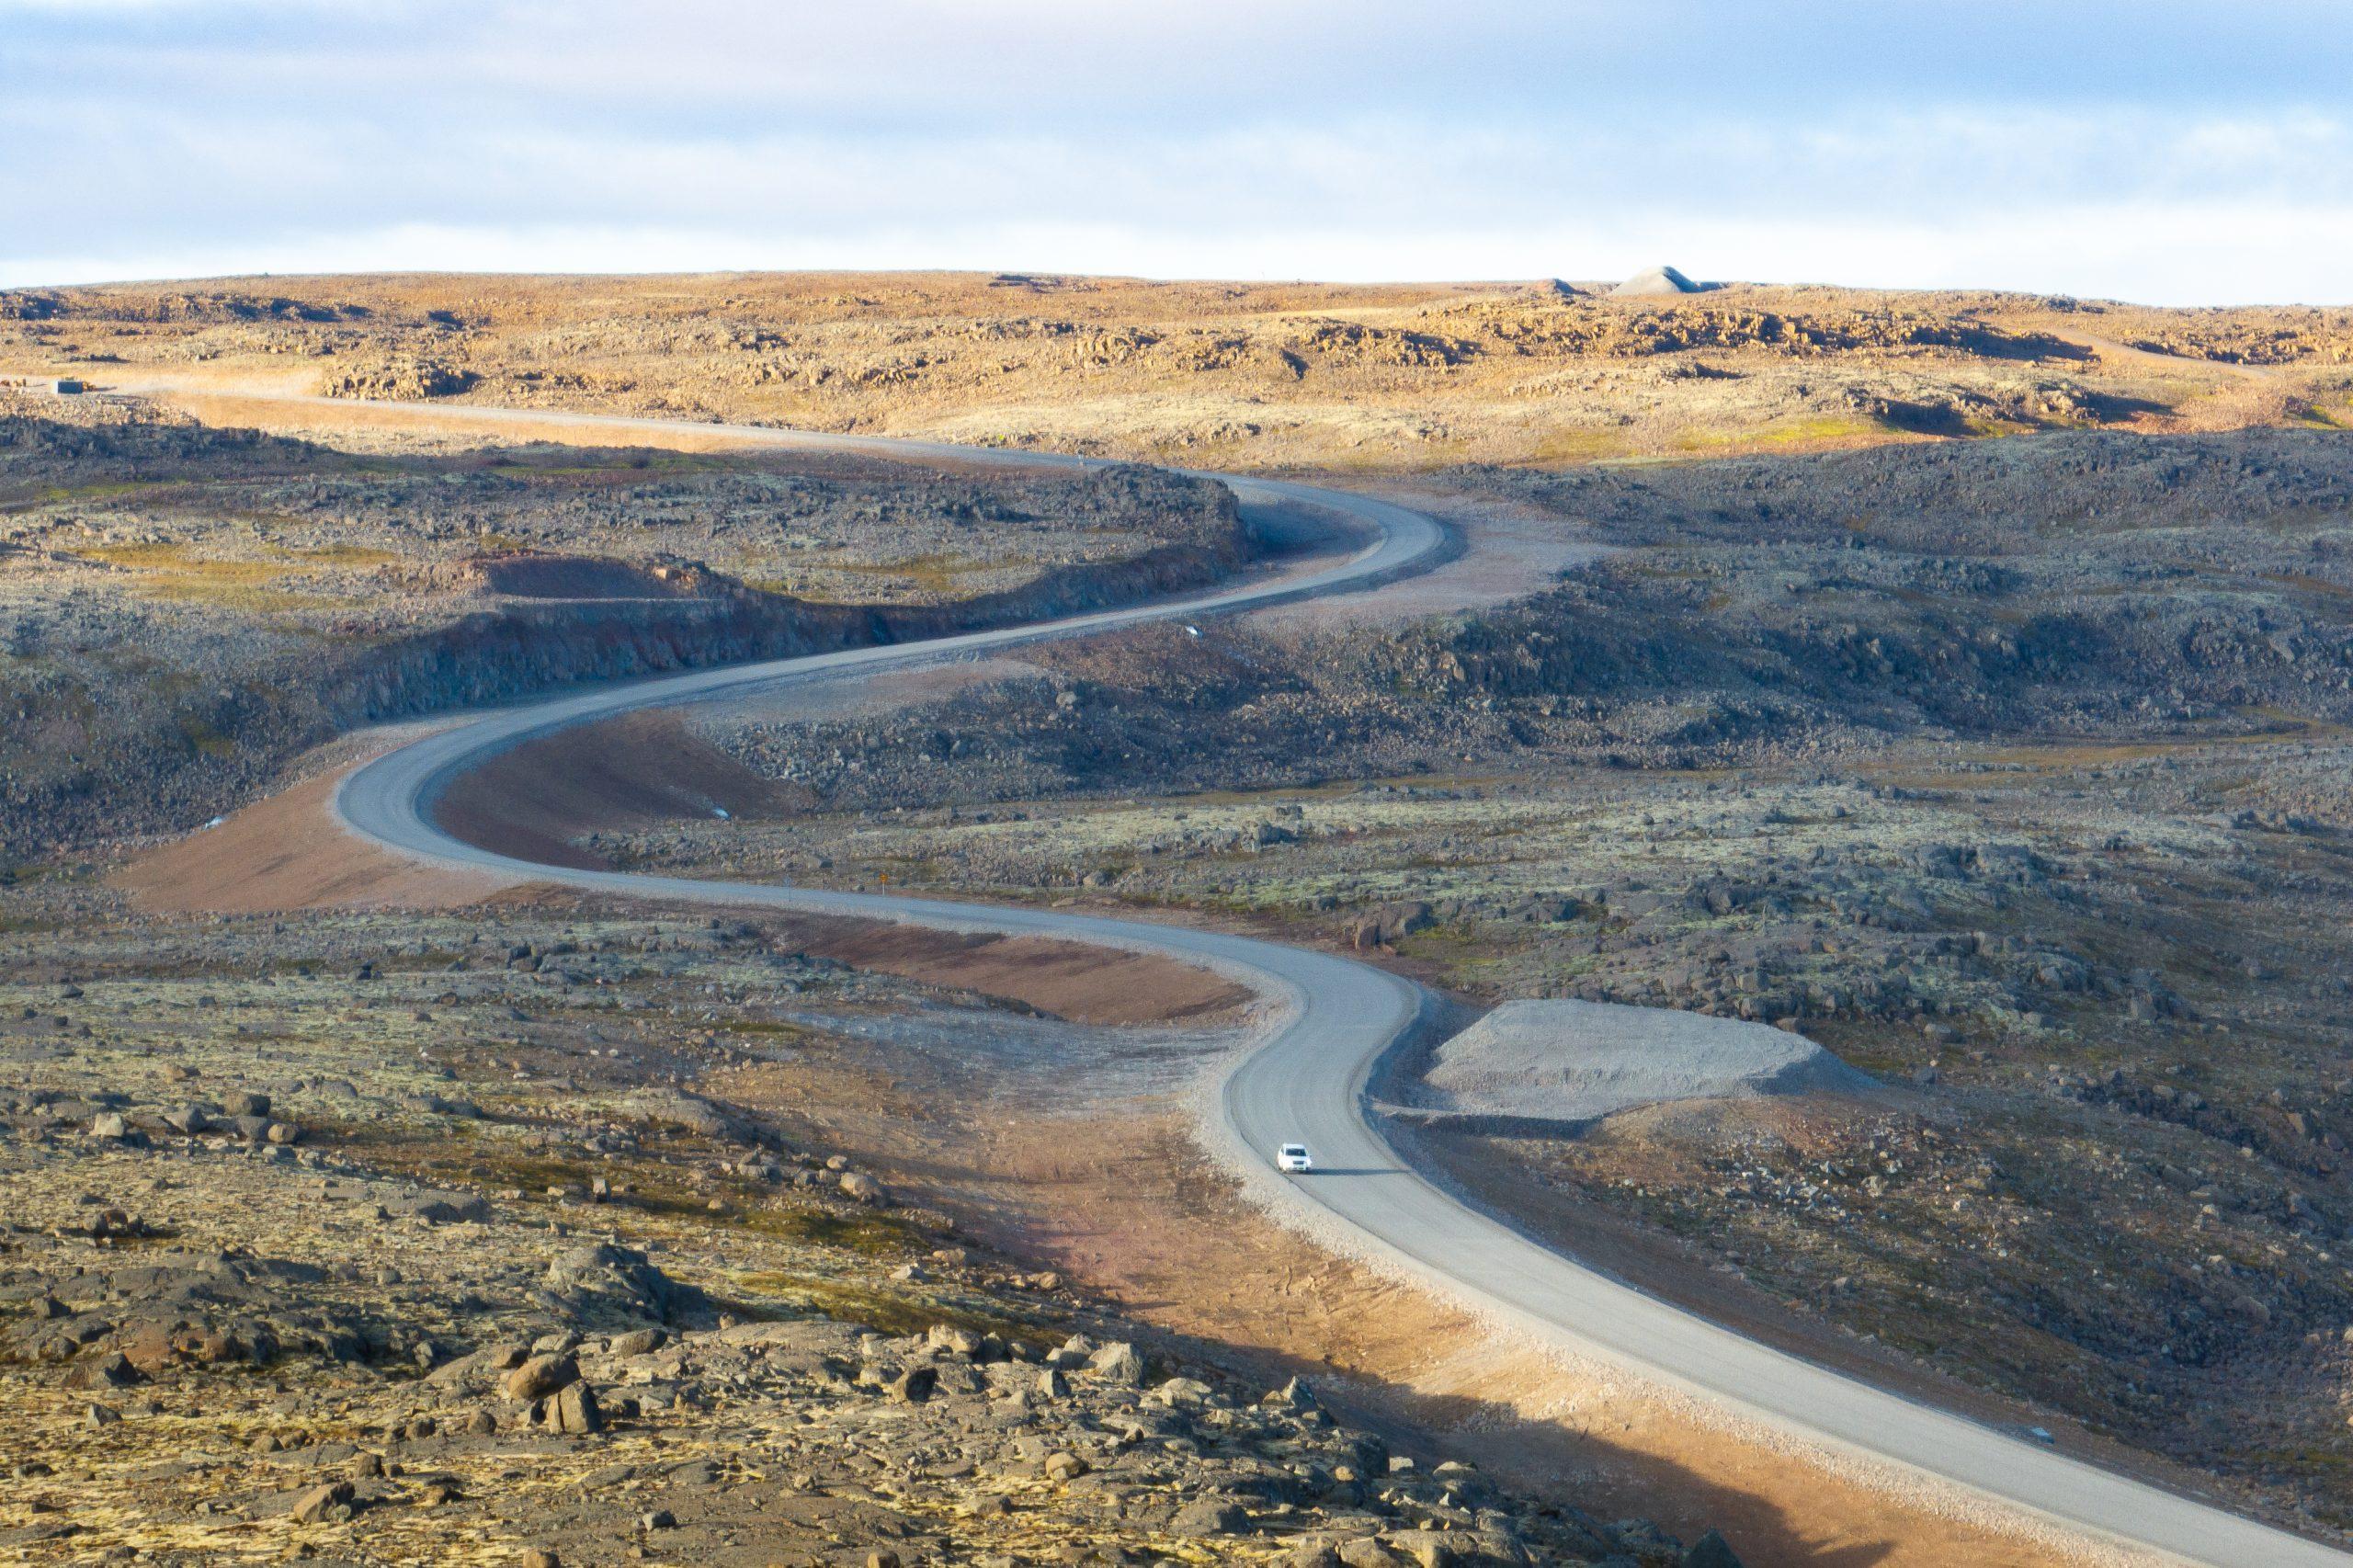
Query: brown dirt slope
[288, 853]
[641, 768]
[1069, 980]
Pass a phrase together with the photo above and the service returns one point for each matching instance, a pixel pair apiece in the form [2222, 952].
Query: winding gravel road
[1333, 1022]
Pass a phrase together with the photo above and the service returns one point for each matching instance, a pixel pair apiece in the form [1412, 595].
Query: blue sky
[2171, 152]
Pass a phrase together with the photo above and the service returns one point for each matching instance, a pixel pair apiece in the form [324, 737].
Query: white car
[1291, 1160]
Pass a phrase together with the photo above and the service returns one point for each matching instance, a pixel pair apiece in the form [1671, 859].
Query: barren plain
[1236, 376]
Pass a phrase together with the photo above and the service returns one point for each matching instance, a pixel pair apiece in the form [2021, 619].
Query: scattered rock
[636, 1342]
[113, 1370]
[330, 1501]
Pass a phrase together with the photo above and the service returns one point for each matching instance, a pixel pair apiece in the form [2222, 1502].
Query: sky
[2165, 151]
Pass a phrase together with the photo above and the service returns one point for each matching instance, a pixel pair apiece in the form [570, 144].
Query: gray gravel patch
[1577, 1062]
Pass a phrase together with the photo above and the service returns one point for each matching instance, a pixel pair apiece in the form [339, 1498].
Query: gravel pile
[1578, 1061]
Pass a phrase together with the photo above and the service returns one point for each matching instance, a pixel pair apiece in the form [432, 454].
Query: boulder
[437, 1207]
[1393, 923]
[952, 1338]
[1437, 1549]
[330, 1501]
[1209, 1516]
[604, 1282]
[1119, 1362]
[1181, 1393]
[112, 1370]
[477, 1367]
[572, 1409]
[705, 1117]
[1292, 1395]
[540, 1376]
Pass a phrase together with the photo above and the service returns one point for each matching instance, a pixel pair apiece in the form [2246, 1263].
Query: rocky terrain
[1223, 375]
[2008, 771]
[1805, 611]
[184, 609]
[401, 1237]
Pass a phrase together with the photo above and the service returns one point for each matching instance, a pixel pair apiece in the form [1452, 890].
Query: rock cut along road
[1334, 1019]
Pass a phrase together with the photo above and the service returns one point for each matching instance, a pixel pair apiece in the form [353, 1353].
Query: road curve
[1335, 1020]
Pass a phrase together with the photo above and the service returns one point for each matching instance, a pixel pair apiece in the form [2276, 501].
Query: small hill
[1657, 280]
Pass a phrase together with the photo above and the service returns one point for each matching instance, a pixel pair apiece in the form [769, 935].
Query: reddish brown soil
[625, 773]
[1069, 980]
[287, 852]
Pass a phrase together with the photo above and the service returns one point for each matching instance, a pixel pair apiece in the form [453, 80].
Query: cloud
[168, 137]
